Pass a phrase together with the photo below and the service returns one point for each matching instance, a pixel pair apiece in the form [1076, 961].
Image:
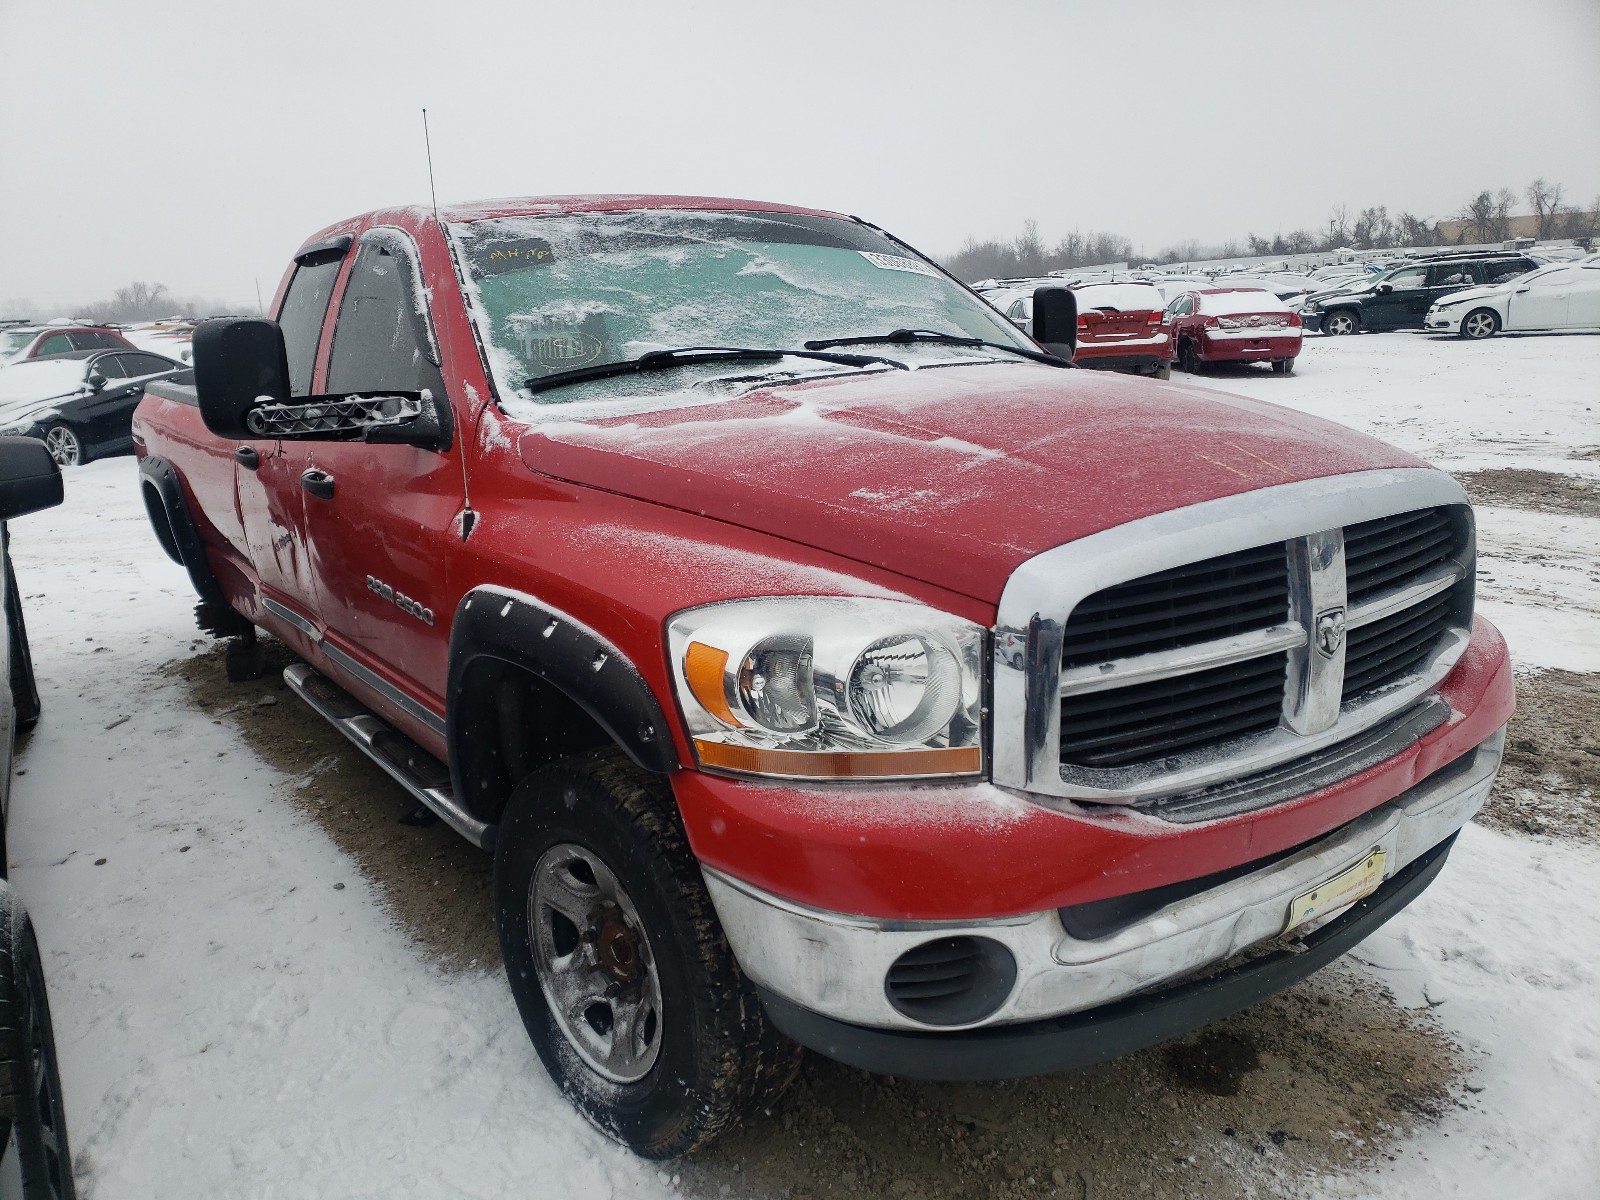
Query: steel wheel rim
[63, 446]
[1479, 325]
[593, 961]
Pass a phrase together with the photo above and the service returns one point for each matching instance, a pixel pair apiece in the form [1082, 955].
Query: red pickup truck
[821, 660]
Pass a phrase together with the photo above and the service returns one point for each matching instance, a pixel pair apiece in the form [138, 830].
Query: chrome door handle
[318, 482]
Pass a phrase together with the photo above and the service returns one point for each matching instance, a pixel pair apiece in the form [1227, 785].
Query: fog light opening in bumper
[951, 980]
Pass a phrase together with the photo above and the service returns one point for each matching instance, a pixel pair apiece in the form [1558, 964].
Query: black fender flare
[180, 540]
[520, 630]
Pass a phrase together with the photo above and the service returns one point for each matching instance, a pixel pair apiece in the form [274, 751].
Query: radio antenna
[428, 142]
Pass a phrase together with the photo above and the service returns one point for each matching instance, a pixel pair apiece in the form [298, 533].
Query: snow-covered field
[238, 1015]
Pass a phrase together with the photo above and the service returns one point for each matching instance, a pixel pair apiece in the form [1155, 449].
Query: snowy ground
[238, 1014]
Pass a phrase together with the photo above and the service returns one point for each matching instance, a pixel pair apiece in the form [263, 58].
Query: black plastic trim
[517, 629]
[213, 614]
[321, 252]
[1111, 1031]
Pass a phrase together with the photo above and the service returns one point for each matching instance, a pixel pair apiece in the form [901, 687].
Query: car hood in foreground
[951, 475]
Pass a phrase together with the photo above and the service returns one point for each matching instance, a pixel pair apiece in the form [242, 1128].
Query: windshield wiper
[684, 356]
[905, 337]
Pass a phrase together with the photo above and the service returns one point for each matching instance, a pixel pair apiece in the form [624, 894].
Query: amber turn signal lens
[865, 764]
[704, 667]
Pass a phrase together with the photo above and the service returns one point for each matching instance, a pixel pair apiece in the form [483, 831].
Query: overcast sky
[198, 143]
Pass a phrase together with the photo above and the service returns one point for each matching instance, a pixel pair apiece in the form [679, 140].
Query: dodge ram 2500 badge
[821, 661]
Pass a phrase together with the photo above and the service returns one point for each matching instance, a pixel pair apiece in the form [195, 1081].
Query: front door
[1390, 309]
[382, 520]
[1542, 301]
[267, 472]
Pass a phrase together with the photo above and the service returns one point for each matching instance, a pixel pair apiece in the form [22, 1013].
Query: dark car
[35, 1163]
[1401, 297]
[21, 342]
[79, 404]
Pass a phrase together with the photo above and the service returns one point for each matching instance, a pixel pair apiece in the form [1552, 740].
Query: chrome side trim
[1042, 593]
[369, 732]
[1440, 579]
[384, 688]
[835, 963]
[1167, 664]
[285, 613]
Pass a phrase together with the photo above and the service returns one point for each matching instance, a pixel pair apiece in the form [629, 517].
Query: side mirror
[239, 364]
[29, 477]
[241, 379]
[1385, 288]
[96, 381]
[1055, 320]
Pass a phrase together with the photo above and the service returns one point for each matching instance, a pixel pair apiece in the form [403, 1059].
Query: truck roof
[555, 206]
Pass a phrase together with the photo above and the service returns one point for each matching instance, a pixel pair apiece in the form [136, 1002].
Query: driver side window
[1410, 280]
[376, 342]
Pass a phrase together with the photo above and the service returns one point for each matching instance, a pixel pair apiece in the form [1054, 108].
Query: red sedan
[1233, 325]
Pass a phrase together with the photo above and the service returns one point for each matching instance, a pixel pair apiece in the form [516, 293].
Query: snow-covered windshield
[552, 294]
[12, 340]
[1119, 297]
[40, 379]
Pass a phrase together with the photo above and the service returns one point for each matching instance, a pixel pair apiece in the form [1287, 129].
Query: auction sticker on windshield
[1328, 899]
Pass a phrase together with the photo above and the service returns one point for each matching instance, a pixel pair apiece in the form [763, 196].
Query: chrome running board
[424, 777]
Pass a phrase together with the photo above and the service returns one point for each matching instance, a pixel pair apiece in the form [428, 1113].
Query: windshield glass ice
[551, 294]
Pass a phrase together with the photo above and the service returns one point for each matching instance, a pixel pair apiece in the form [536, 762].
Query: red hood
[953, 475]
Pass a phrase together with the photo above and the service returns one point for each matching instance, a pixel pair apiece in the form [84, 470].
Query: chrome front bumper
[835, 965]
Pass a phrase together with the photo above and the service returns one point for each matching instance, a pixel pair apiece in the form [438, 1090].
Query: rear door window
[1451, 275]
[144, 364]
[92, 340]
[377, 342]
[1499, 272]
[304, 306]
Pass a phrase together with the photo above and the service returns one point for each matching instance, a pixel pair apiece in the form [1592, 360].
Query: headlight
[828, 687]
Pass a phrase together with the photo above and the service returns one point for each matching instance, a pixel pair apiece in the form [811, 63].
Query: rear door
[1583, 309]
[382, 520]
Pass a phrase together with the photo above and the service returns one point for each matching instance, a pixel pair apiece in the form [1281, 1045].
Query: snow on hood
[952, 475]
[37, 381]
[1482, 291]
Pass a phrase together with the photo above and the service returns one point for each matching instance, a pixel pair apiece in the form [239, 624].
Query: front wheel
[1283, 366]
[38, 1138]
[64, 445]
[1340, 323]
[618, 965]
[1480, 323]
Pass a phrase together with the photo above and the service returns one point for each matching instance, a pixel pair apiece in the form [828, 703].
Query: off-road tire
[64, 444]
[1341, 322]
[24, 688]
[1283, 366]
[719, 1057]
[1480, 323]
[30, 1078]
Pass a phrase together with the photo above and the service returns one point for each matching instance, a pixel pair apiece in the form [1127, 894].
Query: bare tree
[1338, 227]
[1412, 230]
[1029, 249]
[1547, 207]
[1372, 229]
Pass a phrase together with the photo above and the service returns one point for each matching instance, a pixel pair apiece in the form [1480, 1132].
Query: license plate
[1327, 899]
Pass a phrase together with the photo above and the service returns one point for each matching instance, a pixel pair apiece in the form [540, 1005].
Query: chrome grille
[1324, 609]
[1182, 607]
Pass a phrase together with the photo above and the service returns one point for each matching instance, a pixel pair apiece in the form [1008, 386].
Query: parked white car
[1560, 296]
